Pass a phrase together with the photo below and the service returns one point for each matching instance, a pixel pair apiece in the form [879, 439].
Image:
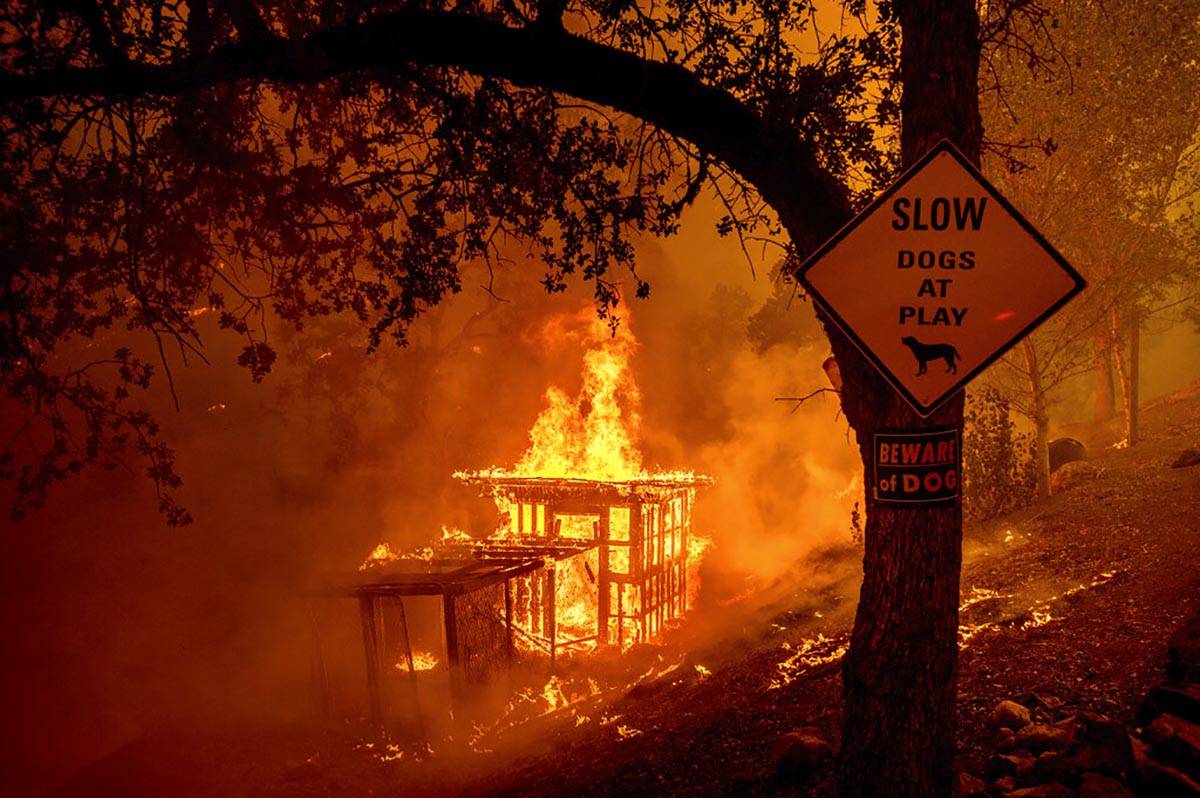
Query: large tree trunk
[1041, 419]
[900, 674]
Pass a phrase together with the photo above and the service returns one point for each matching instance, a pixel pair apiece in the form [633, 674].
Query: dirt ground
[1072, 599]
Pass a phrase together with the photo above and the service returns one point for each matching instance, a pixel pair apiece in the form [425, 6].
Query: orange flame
[379, 555]
[594, 435]
[421, 661]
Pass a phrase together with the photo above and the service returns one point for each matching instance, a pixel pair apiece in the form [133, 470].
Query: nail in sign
[938, 278]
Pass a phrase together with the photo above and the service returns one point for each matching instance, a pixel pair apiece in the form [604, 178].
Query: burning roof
[639, 488]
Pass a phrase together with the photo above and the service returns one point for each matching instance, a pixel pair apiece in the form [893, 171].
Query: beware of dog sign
[938, 278]
[916, 467]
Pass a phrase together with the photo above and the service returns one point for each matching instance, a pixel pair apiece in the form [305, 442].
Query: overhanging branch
[779, 165]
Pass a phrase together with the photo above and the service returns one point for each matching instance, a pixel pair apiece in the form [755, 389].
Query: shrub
[999, 471]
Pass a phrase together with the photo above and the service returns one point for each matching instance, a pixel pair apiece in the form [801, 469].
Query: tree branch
[247, 19]
[103, 41]
[781, 167]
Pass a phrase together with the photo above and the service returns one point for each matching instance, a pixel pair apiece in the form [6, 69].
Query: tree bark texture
[1124, 375]
[900, 674]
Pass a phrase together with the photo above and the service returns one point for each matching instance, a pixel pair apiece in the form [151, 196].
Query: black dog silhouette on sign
[927, 352]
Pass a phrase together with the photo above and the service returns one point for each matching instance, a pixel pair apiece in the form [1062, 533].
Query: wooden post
[603, 599]
[661, 569]
[450, 622]
[508, 621]
[320, 674]
[647, 572]
[412, 671]
[537, 614]
[620, 616]
[685, 526]
[637, 537]
[551, 609]
[643, 631]
[370, 632]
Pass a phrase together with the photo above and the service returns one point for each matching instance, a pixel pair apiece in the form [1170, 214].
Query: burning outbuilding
[631, 574]
[590, 550]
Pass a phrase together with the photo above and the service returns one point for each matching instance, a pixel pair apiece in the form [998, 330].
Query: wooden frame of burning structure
[628, 539]
[640, 531]
[450, 580]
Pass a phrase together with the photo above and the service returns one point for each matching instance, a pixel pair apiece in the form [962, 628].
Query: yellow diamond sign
[938, 278]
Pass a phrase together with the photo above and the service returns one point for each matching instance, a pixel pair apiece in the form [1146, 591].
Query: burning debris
[808, 654]
[416, 661]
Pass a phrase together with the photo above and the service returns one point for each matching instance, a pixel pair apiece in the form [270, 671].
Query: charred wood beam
[778, 163]
[450, 623]
[370, 632]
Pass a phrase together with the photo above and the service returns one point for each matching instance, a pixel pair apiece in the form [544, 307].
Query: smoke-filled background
[117, 626]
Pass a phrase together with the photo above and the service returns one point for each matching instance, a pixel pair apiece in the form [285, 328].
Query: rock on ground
[1187, 458]
[1010, 715]
[800, 754]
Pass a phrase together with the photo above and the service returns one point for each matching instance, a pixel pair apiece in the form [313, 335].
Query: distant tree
[785, 316]
[1030, 376]
[1102, 156]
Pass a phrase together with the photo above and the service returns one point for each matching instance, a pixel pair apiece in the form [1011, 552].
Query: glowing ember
[450, 535]
[808, 653]
[1035, 617]
[553, 694]
[379, 555]
[421, 661]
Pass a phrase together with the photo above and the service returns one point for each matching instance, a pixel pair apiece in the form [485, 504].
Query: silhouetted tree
[1113, 181]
